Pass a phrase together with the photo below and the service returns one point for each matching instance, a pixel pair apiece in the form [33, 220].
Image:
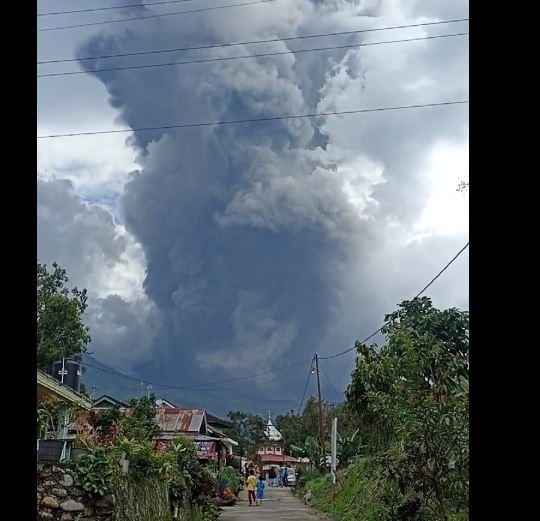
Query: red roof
[276, 458]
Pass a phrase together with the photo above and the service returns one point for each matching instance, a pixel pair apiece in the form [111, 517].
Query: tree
[292, 429]
[248, 431]
[309, 448]
[139, 423]
[417, 386]
[61, 332]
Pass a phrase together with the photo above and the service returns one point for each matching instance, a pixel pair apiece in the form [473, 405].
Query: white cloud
[100, 256]
[446, 212]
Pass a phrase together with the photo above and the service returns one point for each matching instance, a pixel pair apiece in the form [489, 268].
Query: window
[269, 449]
[261, 451]
[278, 450]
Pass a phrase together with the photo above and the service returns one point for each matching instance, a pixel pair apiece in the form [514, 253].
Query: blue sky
[224, 250]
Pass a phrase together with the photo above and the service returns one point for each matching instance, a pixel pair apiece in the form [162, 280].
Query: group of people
[279, 478]
[255, 485]
[255, 488]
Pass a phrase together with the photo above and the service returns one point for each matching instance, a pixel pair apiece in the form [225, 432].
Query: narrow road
[279, 504]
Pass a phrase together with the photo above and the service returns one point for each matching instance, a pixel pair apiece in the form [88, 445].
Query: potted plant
[49, 448]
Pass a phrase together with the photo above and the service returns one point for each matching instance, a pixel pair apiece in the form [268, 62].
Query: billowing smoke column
[249, 231]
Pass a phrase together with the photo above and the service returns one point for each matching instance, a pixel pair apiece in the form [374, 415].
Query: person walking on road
[272, 477]
[251, 483]
[280, 476]
[260, 491]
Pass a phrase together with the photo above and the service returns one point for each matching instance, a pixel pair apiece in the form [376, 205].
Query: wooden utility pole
[321, 422]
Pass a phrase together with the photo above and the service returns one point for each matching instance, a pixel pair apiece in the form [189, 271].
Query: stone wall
[58, 497]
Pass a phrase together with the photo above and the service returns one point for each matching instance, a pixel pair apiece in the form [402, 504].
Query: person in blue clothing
[280, 475]
[260, 491]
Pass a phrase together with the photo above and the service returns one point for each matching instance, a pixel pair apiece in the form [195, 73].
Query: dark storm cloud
[251, 232]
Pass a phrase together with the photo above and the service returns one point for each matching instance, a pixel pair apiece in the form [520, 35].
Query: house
[272, 451]
[207, 431]
[49, 388]
[106, 402]
[221, 428]
[177, 422]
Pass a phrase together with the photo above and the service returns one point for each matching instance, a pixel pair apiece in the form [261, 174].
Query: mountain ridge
[99, 378]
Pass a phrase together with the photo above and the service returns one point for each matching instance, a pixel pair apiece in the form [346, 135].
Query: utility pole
[321, 424]
[334, 458]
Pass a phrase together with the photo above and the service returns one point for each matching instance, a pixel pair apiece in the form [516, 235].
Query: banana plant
[348, 447]
[308, 449]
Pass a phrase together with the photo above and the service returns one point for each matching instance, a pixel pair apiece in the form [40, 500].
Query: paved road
[279, 504]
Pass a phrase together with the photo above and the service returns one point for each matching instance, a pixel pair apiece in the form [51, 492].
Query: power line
[195, 387]
[310, 372]
[442, 271]
[295, 364]
[227, 58]
[198, 388]
[254, 120]
[269, 40]
[416, 296]
[109, 8]
[329, 381]
[158, 15]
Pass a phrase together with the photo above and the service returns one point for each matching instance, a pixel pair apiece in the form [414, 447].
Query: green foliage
[248, 431]
[415, 389]
[52, 415]
[296, 428]
[408, 453]
[141, 498]
[97, 470]
[48, 418]
[203, 484]
[292, 429]
[308, 449]
[348, 447]
[60, 329]
[206, 512]
[209, 512]
[139, 424]
[157, 479]
[232, 477]
[361, 494]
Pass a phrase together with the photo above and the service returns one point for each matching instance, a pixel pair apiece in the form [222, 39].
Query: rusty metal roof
[181, 420]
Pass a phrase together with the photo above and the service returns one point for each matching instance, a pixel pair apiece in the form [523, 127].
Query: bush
[97, 470]
[231, 478]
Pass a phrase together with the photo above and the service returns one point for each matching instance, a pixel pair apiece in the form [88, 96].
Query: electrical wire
[442, 271]
[416, 296]
[310, 372]
[196, 387]
[110, 8]
[157, 15]
[329, 381]
[228, 58]
[255, 120]
[250, 42]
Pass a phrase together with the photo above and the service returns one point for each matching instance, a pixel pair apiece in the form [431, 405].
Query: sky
[216, 252]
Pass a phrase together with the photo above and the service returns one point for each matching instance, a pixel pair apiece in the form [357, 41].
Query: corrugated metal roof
[181, 420]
